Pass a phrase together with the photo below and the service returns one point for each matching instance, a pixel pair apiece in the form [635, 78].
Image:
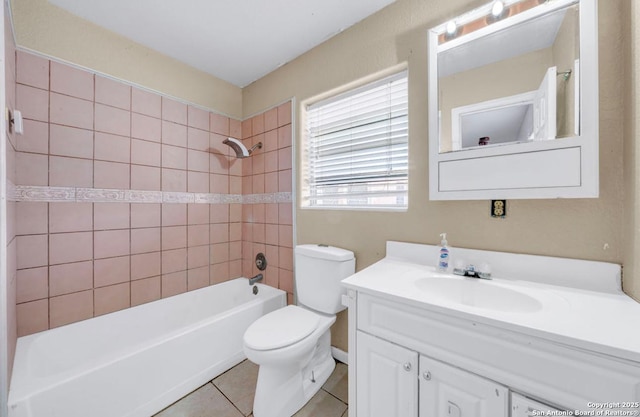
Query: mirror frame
[574, 161]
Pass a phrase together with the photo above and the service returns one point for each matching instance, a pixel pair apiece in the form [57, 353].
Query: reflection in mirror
[513, 85]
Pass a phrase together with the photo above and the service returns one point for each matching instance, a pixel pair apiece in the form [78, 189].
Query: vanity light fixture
[452, 28]
[497, 9]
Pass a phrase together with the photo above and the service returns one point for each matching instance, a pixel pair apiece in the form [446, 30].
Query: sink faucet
[471, 272]
[255, 279]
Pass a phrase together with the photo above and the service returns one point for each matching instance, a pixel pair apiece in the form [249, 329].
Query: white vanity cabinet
[525, 407]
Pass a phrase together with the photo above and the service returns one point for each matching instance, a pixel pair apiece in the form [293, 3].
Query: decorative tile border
[98, 195]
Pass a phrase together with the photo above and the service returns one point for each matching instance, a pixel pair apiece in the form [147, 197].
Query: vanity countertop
[597, 321]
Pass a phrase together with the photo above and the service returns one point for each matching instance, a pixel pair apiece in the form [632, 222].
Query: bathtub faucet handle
[255, 279]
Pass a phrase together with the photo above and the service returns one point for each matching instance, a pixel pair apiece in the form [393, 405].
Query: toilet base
[283, 390]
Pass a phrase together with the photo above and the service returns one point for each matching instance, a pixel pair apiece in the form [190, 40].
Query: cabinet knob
[407, 366]
[427, 375]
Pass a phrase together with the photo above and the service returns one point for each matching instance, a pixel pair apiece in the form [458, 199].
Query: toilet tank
[319, 270]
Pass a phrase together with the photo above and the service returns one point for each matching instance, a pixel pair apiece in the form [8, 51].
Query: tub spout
[255, 279]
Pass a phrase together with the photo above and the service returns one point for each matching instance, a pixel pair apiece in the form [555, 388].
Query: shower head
[241, 150]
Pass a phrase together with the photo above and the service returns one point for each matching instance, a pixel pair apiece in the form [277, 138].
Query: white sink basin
[479, 294]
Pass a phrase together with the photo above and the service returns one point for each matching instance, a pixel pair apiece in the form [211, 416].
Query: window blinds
[357, 148]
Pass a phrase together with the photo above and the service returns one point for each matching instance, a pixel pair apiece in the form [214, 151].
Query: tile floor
[231, 395]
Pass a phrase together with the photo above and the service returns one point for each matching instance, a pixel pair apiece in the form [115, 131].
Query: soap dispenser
[443, 254]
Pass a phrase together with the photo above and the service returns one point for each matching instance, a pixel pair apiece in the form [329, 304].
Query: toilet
[292, 345]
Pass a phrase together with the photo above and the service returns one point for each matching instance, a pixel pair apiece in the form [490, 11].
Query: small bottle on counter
[443, 254]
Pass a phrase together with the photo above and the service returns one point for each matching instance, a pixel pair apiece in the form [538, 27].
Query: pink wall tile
[35, 137]
[197, 139]
[219, 273]
[197, 278]
[284, 180]
[110, 216]
[258, 184]
[235, 185]
[235, 231]
[145, 215]
[197, 182]
[70, 308]
[174, 214]
[174, 260]
[257, 124]
[145, 178]
[112, 147]
[145, 240]
[145, 290]
[146, 102]
[284, 136]
[70, 247]
[284, 158]
[285, 258]
[257, 163]
[271, 119]
[217, 147]
[219, 124]
[235, 251]
[219, 253]
[111, 175]
[197, 257]
[198, 118]
[32, 284]
[219, 183]
[111, 243]
[197, 214]
[174, 284]
[235, 213]
[258, 212]
[286, 280]
[69, 141]
[219, 213]
[285, 236]
[219, 233]
[32, 317]
[71, 111]
[32, 70]
[32, 102]
[271, 213]
[271, 182]
[219, 164]
[174, 180]
[270, 142]
[145, 153]
[71, 81]
[70, 172]
[112, 120]
[113, 93]
[271, 277]
[174, 111]
[146, 127]
[69, 278]
[174, 134]
[145, 265]
[285, 213]
[174, 157]
[235, 128]
[70, 217]
[271, 161]
[174, 237]
[284, 114]
[197, 161]
[272, 254]
[271, 231]
[198, 235]
[31, 218]
[112, 298]
[31, 251]
[259, 233]
[111, 271]
[246, 128]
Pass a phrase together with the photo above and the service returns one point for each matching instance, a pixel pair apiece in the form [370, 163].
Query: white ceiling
[238, 41]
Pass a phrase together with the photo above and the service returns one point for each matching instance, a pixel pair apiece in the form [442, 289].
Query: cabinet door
[446, 391]
[525, 407]
[386, 379]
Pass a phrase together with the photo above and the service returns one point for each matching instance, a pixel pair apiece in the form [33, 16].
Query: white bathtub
[137, 361]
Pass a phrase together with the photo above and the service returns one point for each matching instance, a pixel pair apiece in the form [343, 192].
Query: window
[357, 148]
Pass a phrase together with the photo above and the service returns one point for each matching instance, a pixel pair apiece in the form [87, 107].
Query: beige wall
[565, 51]
[580, 228]
[631, 45]
[50, 30]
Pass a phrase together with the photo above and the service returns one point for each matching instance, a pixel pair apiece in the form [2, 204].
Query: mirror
[509, 79]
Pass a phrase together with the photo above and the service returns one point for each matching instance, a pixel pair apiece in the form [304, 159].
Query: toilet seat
[281, 328]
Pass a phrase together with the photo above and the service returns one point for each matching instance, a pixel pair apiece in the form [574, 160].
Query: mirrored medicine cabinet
[513, 102]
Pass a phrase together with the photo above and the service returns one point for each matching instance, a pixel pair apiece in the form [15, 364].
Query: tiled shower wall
[126, 196]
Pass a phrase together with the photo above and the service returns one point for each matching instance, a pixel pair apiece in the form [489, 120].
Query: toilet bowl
[292, 345]
[293, 348]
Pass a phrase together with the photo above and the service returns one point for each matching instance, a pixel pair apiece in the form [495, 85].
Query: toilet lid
[281, 328]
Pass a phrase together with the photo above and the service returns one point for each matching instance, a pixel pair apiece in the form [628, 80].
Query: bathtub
[135, 362]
